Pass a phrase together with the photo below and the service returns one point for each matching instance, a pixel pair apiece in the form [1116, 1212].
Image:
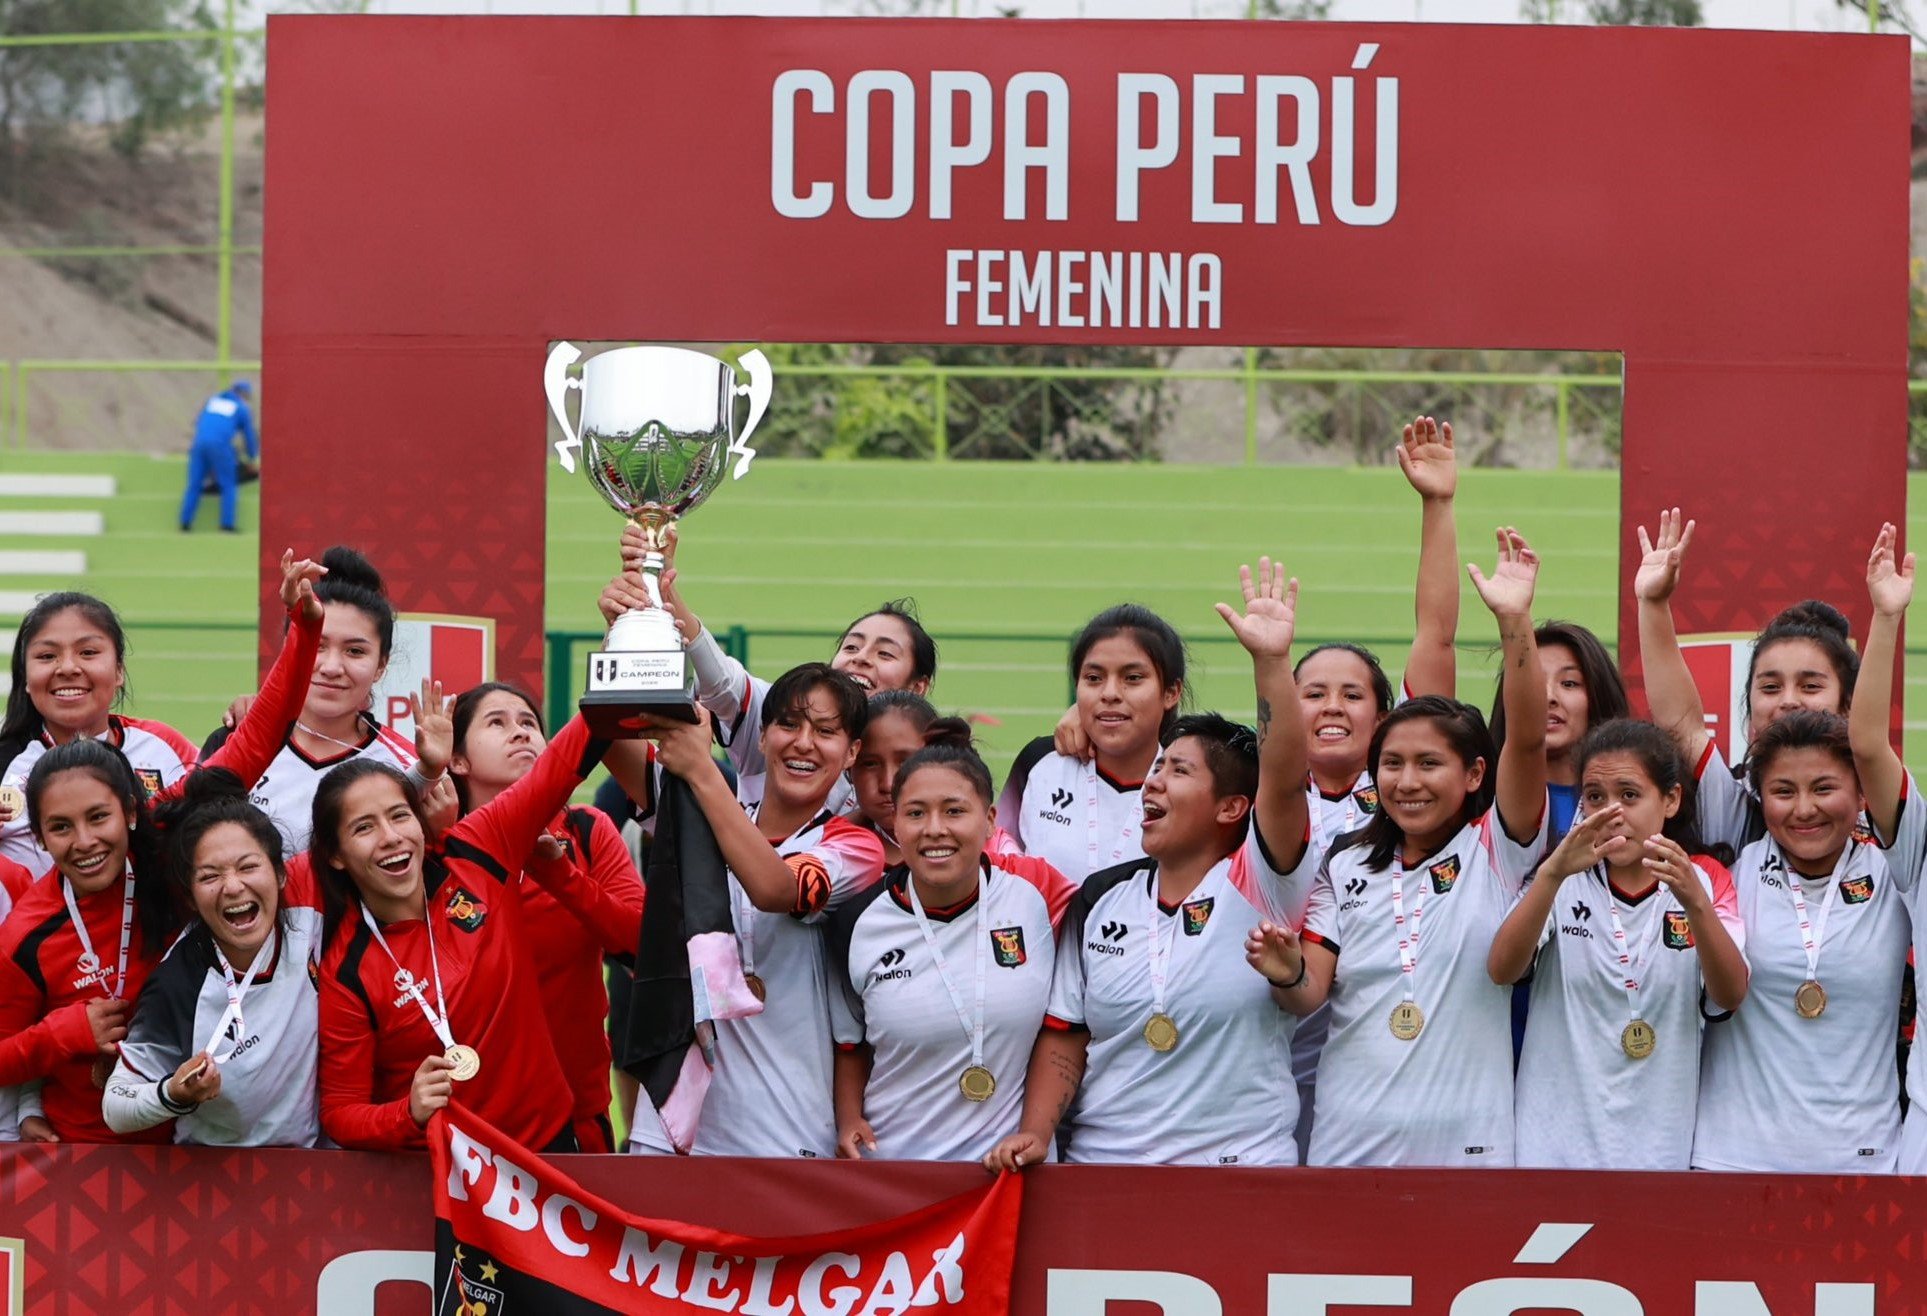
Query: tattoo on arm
[1264, 720]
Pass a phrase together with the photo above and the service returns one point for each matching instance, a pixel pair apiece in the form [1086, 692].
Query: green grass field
[1005, 561]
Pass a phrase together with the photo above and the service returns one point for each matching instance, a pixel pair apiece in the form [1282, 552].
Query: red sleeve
[270, 719]
[303, 890]
[349, 1114]
[601, 888]
[506, 827]
[14, 878]
[35, 1043]
[1056, 889]
[1706, 757]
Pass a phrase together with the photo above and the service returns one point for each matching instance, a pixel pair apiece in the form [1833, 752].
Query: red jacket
[567, 943]
[373, 1037]
[44, 996]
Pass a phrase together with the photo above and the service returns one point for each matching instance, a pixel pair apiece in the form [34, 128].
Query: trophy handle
[556, 381]
[761, 381]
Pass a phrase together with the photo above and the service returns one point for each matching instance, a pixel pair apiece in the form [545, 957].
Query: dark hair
[155, 902]
[338, 893]
[1605, 688]
[923, 649]
[1230, 750]
[1659, 758]
[789, 693]
[1823, 624]
[22, 721]
[948, 743]
[1804, 728]
[907, 703]
[467, 705]
[353, 580]
[209, 798]
[1381, 683]
[1464, 729]
[1144, 628]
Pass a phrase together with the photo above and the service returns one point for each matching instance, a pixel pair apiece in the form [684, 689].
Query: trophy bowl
[657, 426]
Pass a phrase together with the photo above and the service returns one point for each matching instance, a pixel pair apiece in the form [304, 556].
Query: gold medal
[755, 985]
[1408, 1021]
[1161, 1032]
[13, 802]
[977, 1083]
[1637, 1039]
[1811, 1000]
[467, 1063]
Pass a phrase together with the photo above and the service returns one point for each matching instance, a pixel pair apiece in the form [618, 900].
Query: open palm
[1270, 617]
[1659, 562]
[1508, 590]
[1429, 460]
[1890, 582]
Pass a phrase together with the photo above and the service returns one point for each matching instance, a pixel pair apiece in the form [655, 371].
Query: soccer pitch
[1005, 561]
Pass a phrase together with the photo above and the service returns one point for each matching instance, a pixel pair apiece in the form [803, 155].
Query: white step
[56, 486]
[53, 562]
[16, 603]
[52, 523]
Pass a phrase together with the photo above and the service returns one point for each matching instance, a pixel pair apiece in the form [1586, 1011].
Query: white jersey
[1332, 816]
[1071, 814]
[159, 754]
[286, 790]
[1445, 1097]
[901, 1005]
[1786, 1094]
[770, 1094]
[1728, 810]
[268, 1093]
[1223, 1095]
[1581, 1102]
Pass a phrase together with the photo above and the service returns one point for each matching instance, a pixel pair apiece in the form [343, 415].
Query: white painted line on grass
[16, 603]
[56, 486]
[53, 562]
[52, 523]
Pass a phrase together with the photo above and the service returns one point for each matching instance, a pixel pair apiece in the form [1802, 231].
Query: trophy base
[625, 684]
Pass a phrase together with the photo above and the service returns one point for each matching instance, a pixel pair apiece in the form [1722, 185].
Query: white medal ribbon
[236, 993]
[1407, 943]
[1160, 954]
[745, 915]
[1321, 840]
[973, 1025]
[437, 1014]
[1631, 973]
[1813, 931]
[87, 942]
[1127, 836]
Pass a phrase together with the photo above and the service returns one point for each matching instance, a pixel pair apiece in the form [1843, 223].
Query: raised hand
[1890, 584]
[1427, 457]
[434, 727]
[1668, 861]
[1271, 607]
[1659, 560]
[298, 576]
[1508, 590]
[1584, 844]
[682, 748]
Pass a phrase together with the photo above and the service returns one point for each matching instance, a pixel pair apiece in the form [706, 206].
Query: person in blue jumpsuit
[224, 414]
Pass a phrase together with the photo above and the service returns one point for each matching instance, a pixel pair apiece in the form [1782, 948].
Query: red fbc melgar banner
[135, 1231]
[512, 1233]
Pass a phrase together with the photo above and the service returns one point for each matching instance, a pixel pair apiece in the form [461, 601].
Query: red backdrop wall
[445, 196]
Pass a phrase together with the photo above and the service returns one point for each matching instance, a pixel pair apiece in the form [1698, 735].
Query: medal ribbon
[1631, 973]
[1126, 836]
[437, 1014]
[1813, 931]
[1160, 954]
[126, 928]
[1407, 944]
[973, 1025]
[1321, 840]
[236, 992]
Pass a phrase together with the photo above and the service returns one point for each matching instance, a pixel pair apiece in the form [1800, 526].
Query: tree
[1615, 13]
[134, 89]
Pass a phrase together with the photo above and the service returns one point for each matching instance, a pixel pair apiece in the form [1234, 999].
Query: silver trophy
[659, 424]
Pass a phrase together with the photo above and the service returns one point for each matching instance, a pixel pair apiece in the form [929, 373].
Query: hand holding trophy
[659, 427]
